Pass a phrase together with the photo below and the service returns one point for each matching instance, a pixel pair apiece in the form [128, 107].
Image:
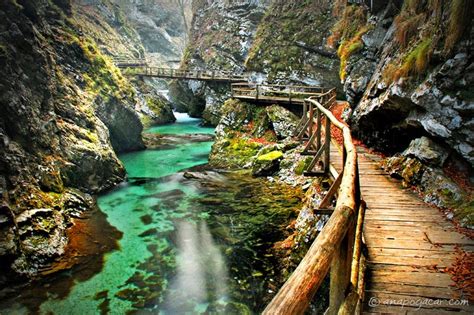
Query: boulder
[125, 127]
[283, 121]
[267, 164]
[427, 151]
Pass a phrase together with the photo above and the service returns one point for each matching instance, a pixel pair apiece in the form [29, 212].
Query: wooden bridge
[293, 94]
[140, 67]
[384, 250]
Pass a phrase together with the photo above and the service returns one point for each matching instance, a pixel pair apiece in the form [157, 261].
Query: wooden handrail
[333, 248]
[192, 74]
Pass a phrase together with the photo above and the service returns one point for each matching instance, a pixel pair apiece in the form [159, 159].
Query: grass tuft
[414, 63]
[460, 18]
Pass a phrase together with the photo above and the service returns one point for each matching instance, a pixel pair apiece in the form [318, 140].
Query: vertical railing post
[257, 92]
[311, 122]
[327, 144]
[341, 270]
[232, 90]
[318, 129]
[290, 95]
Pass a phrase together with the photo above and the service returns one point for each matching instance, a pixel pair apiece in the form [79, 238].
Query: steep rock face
[106, 22]
[290, 44]
[405, 84]
[222, 33]
[135, 29]
[407, 71]
[152, 107]
[160, 26]
[55, 87]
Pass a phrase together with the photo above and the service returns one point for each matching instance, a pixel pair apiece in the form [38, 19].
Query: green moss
[349, 47]
[465, 213]
[302, 165]
[102, 77]
[271, 156]
[16, 4]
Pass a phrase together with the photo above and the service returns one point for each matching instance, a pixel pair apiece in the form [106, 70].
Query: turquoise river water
[193, 243]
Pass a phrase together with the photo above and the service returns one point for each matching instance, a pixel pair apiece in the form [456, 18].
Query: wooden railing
[319, 140]
[275, 93]
[338, 246]
[202, 75]
[122, 62]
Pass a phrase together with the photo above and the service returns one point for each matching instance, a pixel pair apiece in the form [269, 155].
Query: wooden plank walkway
[408, 242]
[276, 93]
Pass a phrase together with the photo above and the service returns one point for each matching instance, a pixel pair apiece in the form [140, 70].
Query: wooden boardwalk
[409, 244]
[275, 93]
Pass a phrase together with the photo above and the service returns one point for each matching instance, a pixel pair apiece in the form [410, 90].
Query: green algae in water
[205, 247]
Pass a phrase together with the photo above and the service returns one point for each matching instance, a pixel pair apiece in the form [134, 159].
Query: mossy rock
[302, 165]
[273, 155]
[267, 164]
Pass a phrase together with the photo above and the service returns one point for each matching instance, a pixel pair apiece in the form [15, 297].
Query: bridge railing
[193, 74]
[122, 62]
[337, 248]
[275, 92]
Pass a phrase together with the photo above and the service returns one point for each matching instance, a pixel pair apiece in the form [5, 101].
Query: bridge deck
[409, 244]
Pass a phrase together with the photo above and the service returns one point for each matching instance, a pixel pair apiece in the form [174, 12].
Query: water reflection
[201, 272]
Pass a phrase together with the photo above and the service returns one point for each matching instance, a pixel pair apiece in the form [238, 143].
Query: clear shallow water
[183, 125]
[191, 244]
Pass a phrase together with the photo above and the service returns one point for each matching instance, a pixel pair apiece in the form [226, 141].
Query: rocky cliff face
[137, 29]
[407, 71]
[64, 109]
[221, 35]
[408, 79]
[267, 38]
[290, 44]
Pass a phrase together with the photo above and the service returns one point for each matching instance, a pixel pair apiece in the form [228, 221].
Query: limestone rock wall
[407, 71]
[221, 35]
[404, 84]
[64, 110]
[137, 29]
[290, 44]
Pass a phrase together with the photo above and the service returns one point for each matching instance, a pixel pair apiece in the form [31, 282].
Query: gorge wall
[407, 68]
[268, 39]
[221, 35]
[65, 111]
[151, 29]
[154, 29]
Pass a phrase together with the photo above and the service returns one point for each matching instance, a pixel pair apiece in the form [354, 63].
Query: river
[193, 242]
